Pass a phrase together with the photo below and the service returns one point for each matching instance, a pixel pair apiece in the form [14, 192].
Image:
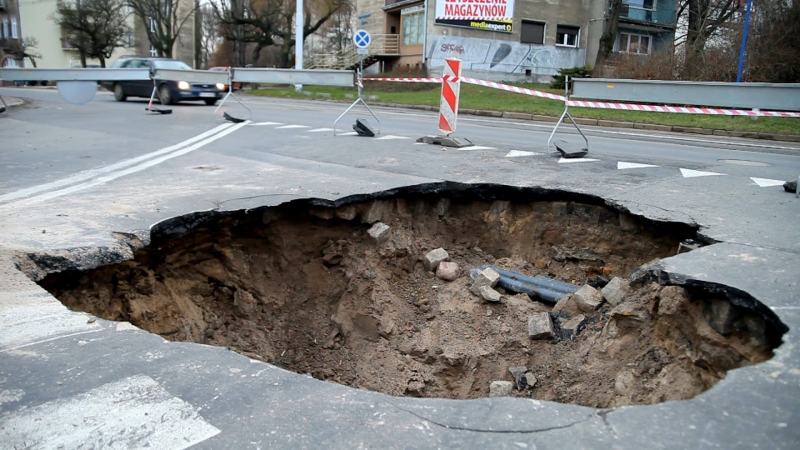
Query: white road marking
[689, 173]
[390, 137]
[348, 133]
[766, 182]
[265, 123]
[518, 153]
[626, 165]
[575, 160]
[477, 147]
[135, 412]
[32, 317]
[292, 126]
[319, 130]
[27, 192]
[114, 175]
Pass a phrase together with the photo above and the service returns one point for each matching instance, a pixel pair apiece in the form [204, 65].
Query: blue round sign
[362, 39]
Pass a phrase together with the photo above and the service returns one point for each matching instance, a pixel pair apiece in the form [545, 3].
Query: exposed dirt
[306, 288]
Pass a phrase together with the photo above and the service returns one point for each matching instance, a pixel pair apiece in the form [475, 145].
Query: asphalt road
[71, 175]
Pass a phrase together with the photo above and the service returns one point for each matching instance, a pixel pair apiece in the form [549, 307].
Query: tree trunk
[609, 34]
[83, 58]
[102, 61]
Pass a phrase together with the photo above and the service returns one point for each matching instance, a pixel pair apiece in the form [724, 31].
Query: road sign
[362, 51]
[362, 39]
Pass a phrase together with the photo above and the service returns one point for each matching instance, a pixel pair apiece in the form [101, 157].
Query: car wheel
[211, 101]
[119, 93]
[166, 97]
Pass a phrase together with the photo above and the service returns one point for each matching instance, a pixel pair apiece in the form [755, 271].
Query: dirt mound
[308, 288]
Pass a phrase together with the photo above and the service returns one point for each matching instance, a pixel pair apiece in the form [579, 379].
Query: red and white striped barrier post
[451, 87]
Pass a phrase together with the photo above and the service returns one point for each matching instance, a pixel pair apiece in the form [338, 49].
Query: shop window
[413, 28]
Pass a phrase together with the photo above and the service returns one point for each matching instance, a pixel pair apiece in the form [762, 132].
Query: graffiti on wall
[485, 55]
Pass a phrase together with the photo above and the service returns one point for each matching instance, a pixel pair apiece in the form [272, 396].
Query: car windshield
[173, 65]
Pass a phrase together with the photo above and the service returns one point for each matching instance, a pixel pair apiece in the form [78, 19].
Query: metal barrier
[80, 85]
[767, 96]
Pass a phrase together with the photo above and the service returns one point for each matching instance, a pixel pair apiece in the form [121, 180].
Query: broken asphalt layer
[67, 378]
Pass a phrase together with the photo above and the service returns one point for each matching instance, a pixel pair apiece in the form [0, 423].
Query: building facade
[57, 52]
[524, 40]
[10, 34]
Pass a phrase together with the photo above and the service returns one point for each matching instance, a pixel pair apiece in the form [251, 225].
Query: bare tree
[209, 35]
[22, 49]
[704, 19]
[609, 33]
[267, 23]
[773, 48]
[340, 30]
[94, 27]
[163, 21]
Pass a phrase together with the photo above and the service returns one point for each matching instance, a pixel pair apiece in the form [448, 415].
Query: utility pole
[198, 30]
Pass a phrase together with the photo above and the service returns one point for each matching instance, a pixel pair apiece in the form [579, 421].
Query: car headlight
[220, 86]
[183, 85]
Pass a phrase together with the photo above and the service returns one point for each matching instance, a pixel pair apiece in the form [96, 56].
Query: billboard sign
[489, 15]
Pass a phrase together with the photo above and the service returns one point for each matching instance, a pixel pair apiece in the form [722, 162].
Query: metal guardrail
[195, 76]
[344, 78]
[766, 96]
[18, 74]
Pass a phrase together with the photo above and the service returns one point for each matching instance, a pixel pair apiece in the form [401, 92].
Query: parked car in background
[236, 85]
[171, 92]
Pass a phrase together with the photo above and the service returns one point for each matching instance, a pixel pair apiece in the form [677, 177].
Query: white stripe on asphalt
[292, 126]
[265, 123]
[575, 160]
[318, 130]
[626, 165]
[348, 133]
[390, 137]
[27, 192]
[135, 412]
[689, 173]
[518, 153]
[122, 173]
[766, 182]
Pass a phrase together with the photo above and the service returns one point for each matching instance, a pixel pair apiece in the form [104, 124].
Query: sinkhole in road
[303, 286]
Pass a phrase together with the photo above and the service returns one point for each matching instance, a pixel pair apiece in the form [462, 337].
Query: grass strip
[484, 98]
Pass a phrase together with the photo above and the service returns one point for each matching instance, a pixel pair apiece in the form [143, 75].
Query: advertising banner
[489, 15]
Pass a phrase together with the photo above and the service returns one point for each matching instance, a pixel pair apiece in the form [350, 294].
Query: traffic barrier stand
[5, 105]
[566, 149]
[230, 93]
[361, 100]
[150, 107]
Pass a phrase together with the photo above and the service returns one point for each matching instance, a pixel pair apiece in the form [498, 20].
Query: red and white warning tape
[603, 105]
[518, 90]
[682, 109]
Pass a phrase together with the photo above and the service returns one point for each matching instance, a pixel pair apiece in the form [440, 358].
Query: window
[153, 51]
[532, 32]
[634, 43]
[567, 35]
[641, 4]
[14, 34]
[412, 26]
[152, 23]
[5, 32]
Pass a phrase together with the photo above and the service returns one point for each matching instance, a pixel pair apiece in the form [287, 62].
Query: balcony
[647, 12]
